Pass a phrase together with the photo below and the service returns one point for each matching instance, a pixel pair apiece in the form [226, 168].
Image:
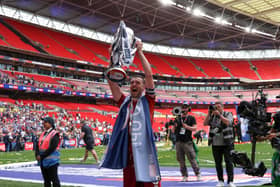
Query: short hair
[185, 106]
[219, 103]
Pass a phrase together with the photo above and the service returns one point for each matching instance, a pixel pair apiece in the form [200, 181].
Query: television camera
[258, 118]
[256, 113]
[178, 111]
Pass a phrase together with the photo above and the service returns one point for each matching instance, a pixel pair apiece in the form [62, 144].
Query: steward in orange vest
[47, 153]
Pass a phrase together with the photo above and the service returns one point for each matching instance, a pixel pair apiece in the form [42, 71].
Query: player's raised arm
[149, 82]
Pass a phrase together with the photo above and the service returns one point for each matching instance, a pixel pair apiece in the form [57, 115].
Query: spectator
[7, 141]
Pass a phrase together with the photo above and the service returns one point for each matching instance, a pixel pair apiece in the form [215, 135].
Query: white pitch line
[18, 165]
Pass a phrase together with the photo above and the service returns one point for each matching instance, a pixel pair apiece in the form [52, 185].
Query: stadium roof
[196, 24]
[268, 11]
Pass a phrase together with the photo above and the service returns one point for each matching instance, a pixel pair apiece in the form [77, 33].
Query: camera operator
[221, 139]
[274, 136]
[184, 125]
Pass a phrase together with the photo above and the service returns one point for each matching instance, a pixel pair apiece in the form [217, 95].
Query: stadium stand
[268, 69]
[162, 65]
[184, 66]
[12, 40]
[102, 88]
[99, 49]
[2, 41]
[39, 78]
[41, 39]
[211, 67]
[71, 45]
[240, 69]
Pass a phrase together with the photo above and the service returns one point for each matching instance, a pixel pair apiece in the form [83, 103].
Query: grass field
[166, 157]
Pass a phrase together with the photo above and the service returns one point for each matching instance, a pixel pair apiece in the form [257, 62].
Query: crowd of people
[21, 123]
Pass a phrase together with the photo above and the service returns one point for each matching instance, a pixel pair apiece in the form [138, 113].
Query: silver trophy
[122, 53]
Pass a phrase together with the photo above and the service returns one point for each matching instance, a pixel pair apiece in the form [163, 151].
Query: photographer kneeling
[184, 125]
[221, 139]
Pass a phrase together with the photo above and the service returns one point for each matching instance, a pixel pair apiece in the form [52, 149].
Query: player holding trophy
[131, 146]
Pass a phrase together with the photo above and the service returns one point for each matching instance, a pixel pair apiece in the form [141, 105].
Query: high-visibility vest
[44, 144]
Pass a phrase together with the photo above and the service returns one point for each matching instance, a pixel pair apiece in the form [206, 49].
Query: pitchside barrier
[72, 143]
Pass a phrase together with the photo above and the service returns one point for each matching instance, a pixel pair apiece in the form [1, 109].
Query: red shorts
[129, 179]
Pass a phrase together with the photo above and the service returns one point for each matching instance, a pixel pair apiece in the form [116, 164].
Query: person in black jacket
[274, 137]
[198, 136]
[7, 142]
[87, 136]
[18, 142]
[183, 127]
[47, 154]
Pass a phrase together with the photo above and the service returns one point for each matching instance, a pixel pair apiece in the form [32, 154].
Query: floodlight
[221, 21]
[197, 12]
[248, 29]
[166, 2]
[218, 19]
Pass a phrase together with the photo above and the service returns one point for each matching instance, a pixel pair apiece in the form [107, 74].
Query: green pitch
[167, 157]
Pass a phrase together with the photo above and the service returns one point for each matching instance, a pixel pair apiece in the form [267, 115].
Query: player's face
[136, 87]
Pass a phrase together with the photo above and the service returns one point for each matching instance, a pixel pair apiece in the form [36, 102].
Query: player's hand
[38, 158]
[110, 51]
[139, 45]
